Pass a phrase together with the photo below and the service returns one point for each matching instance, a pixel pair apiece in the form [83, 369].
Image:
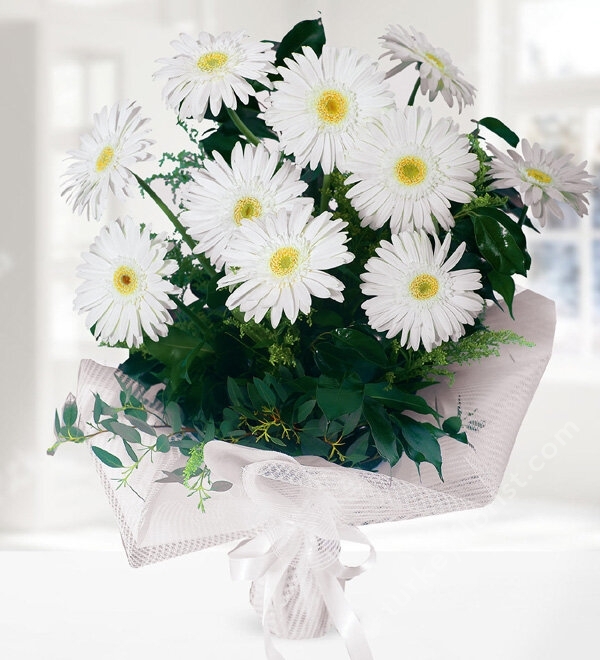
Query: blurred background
[536, 65]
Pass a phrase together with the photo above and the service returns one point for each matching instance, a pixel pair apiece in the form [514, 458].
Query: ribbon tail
[273, 577]
[343, 617]
[348, 533]
[254, 558]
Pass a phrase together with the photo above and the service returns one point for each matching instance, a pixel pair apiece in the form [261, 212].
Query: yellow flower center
[125, 280]
[435, 61]
[246, 208]
[104, 159]
[538, 175]
[212, 61]
[424, 286]
[411, 170]
[284, 261]
[332, 106]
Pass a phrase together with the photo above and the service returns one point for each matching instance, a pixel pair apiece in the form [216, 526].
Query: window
[554, 99]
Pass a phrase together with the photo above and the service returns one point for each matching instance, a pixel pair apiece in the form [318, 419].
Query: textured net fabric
[316, 498]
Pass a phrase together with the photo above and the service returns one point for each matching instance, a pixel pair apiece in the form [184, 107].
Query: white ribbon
[260, 557]
[300, 531]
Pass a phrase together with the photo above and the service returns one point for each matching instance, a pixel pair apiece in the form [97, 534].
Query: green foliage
[107, 458]
[500, 129]
[480, 183]
[306, 33]
[500, 241]
[196, 476]
[482, 343]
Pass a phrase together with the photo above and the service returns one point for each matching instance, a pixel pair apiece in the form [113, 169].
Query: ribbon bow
[293, 559]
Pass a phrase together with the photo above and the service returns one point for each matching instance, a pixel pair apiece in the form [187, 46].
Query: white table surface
[425, 605]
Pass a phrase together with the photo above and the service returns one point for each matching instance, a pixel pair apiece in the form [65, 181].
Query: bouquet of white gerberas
[332, 257]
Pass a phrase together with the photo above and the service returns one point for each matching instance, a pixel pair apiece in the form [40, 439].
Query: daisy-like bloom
[543, 179]
[124, 291]
[321, 103]
[221, 198]
[436, 71]
[102, 163]
[407, 169]
[214, 70]
[279, 263]
[416, 293]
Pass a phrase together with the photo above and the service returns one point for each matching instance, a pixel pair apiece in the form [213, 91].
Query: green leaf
[107, 458]
[235, 393]
[265, 392]
[330, 359]
[336, 399]
[175, 347]
[130, 451]
[365, 345]
[357, 451]
[382, 431]
[173, 414]
[497, 245]
[162, 444]
[312, 446]
[221, 141]
[75, 434]
[306, 33]
[452, 425]
[98, 405]
[505, 286]
[255, 398]
[327, 318]
[316, 427]
[139, 424]
[420, 443]
[56, 422]
[122, 430]
[70, 411]
[399, 400]
[137, 413]
[514, 229]
[500, 129]
[209, 430]
[304, 410]
[102, 408]
[305, 384]
[185, 443]
[351, 421]
[136, 403]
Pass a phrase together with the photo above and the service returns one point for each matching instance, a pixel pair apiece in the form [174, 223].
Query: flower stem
[205, 263]
[166, 210]
[198, 322]
[244, 130]
[413, 94]
[325, 193]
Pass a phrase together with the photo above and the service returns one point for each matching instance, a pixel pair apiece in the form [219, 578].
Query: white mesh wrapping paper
[492, 395]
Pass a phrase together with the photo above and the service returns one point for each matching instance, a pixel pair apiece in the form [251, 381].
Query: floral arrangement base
[292, 514]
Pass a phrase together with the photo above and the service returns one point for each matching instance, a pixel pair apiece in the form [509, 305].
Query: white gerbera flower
[544, 180]
[117, 142]
[407, 169]
[124, 291]
[214, 70]
[279, 263]
[415, 292]
[322, 101]
[436, 71]
[222, 197]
